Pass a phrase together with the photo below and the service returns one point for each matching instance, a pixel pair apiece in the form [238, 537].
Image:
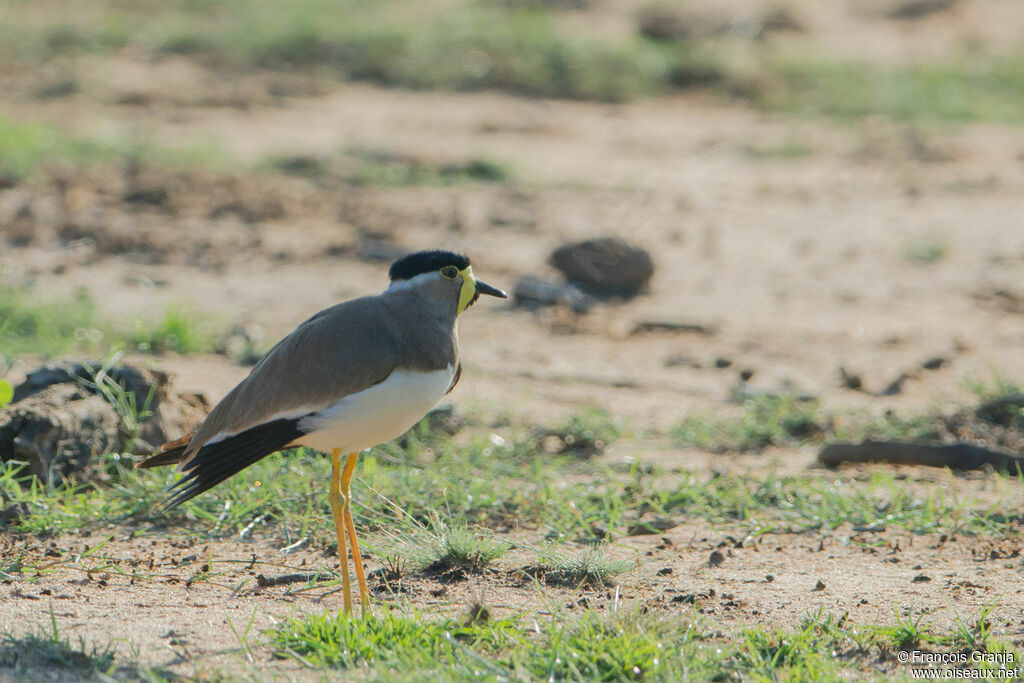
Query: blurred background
[823, 199]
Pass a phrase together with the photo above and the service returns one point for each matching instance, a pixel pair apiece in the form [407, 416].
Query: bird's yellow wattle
[468, 288]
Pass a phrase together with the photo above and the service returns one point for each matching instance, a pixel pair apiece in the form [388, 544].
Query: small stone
[716, 559]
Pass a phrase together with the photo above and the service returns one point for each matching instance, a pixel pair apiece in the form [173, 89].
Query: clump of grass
[179, 330]
[995, 389]
[123, 400]
[449, 546]
[589, 566]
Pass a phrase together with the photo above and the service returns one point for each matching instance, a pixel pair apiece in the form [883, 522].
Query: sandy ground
[796, 266]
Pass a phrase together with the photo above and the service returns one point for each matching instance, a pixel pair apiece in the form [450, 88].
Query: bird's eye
[449, 272]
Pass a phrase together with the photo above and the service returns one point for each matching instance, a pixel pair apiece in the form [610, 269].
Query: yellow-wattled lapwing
[354, 375]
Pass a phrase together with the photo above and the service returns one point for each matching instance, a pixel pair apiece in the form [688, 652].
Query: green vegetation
[785, 420]
[975, 88]
[466, 47]
[482, 487]
[51, 327]
[445, 546]
[487, 484]
[27, 147]
[30, 325]
[516, 47]
[766, 421]
[179, 330]
[590, 566]
[613, 646]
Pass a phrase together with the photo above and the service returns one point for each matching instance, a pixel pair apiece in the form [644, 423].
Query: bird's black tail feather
[217, 461]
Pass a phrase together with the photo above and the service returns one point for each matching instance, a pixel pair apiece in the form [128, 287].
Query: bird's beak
[484, 288]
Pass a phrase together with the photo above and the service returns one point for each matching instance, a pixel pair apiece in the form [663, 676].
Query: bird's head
[444, 272]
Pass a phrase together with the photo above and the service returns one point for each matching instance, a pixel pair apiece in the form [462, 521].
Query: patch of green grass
[467, 46]
[808, 503]
[611, 645]
[481, 485]
[769, 420]
[27, 147]
[393, 641]
[518, 47]
[996, 388]
[969, 89]
[34, 325]
[787, 421]
[925, 251]
[589, 648]
[46, 327]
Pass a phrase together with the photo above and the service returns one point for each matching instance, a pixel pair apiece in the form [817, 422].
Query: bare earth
[796, 267]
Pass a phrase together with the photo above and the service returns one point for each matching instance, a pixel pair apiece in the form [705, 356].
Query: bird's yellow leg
[339, 502]
[350, 527]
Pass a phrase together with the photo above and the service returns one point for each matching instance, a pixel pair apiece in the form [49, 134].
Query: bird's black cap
[430, 261]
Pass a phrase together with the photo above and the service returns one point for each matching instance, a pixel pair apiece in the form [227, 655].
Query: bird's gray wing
[339, 351]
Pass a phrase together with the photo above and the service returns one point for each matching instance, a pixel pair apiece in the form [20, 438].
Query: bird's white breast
[377, 414]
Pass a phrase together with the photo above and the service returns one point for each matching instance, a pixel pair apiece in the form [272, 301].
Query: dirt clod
[63, 414]
[605, 267]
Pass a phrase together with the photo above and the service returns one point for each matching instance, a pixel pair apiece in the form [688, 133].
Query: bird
[353, 376]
